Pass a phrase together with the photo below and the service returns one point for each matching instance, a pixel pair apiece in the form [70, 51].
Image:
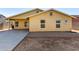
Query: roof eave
[24, 12]
[53, 10]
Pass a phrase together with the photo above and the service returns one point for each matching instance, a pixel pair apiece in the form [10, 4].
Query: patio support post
[9, 24]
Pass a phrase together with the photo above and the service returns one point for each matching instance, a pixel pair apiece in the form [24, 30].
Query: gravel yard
[50, 41]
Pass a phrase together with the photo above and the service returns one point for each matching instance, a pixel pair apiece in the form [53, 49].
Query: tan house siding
[21, 24]
[50, 24]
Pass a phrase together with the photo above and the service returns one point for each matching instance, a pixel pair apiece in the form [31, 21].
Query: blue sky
[12, 11]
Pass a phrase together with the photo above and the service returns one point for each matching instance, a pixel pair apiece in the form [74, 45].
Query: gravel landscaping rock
[50, 41]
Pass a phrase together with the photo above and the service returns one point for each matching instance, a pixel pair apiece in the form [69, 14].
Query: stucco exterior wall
[20, 25]
[50, 24]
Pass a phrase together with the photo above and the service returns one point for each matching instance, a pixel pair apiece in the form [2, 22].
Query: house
[2, 21]
[38, 20]
[21, 21]
[75, 22]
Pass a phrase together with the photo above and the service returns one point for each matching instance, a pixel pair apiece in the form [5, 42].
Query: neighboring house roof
[24, 13]
[77, 18]
[53, 10]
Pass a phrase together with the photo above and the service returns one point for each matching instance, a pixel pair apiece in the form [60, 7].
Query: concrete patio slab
[9, 39]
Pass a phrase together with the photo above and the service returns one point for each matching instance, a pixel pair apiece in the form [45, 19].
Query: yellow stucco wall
[20, 25]
[50, 24]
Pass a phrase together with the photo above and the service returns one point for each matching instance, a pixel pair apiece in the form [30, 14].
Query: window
[50, 13]
[16, 24]
[57, 25]
[26, 24]
[58, 21]
[42, 23]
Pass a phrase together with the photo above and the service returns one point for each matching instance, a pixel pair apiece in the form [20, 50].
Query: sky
[13, 11]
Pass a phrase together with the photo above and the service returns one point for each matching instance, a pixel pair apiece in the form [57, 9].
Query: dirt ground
[49, 41]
